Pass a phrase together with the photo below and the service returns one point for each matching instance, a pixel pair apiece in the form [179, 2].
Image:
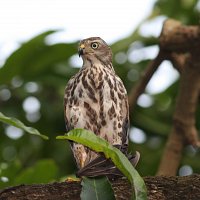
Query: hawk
[96, 99]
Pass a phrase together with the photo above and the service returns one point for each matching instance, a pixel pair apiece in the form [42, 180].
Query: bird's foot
[72, 179]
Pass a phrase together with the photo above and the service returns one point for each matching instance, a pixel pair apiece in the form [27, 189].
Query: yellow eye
[94, 45]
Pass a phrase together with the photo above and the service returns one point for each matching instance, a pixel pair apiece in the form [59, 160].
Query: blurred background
[38, 55]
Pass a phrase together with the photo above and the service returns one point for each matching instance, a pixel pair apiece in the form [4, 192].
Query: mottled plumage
[96, 99]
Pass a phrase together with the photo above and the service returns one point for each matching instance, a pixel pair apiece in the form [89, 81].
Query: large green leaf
[36, 58]
[96, 189]
[89, 139]
[15, 122]
[19, 60]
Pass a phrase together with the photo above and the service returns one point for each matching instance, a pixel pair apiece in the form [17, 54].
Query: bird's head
[95, 48]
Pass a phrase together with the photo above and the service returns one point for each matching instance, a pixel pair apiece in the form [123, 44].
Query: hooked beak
[80, 50]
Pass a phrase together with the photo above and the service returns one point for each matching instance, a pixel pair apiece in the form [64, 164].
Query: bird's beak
[80, 50]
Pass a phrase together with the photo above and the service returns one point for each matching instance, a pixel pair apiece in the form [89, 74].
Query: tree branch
[159, 187]
[183, 130]
[139, 88]
[176, 37]
[179, 44]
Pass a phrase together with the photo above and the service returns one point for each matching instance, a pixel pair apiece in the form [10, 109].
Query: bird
[95, 99]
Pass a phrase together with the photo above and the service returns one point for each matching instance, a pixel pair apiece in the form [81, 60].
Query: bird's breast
[96, 105]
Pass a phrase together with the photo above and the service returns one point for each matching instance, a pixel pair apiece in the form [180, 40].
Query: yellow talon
[72, 179]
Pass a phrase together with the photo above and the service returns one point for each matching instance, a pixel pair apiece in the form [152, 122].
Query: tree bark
[176, 38]
[180, 44]
[159, 187]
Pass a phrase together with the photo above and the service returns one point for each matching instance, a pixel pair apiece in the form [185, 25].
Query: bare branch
[176, 37]
[139, 88]
[183, 130]
[159, 188]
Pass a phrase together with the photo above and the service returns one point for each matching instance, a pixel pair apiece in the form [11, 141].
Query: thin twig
[139, 88]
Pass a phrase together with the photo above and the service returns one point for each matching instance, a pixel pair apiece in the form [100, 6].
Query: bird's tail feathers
[101, 166]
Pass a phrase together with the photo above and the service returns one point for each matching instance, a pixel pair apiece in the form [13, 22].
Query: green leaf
[15, 122]
[36, 59]
[89, 139]
[43, 171]
[96, 189]
[19, 60]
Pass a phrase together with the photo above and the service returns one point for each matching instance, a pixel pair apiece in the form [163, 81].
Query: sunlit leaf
[96, 189]
[98, 144]
[15, 122]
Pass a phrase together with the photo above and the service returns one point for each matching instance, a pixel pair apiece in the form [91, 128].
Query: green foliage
[34, 58]
[47, 68]
[8, 171]
[96, 189]
[89, 139]
[44, 171]
[182, 10]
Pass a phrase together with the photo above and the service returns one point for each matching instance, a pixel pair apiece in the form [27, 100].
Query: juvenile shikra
[96, 99]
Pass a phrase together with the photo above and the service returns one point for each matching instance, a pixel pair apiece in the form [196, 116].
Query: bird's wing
[122, 94]
[68, 88]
